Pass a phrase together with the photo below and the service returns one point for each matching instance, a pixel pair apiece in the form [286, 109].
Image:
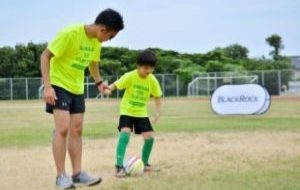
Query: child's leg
[122, 144]
[147, 148]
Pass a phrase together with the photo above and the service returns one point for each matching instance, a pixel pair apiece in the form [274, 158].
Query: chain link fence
[19, 88]
[30, 88]
[277, 82]
[172, 86]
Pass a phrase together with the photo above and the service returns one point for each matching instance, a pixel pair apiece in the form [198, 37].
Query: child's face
[104, 35]
[145, 70]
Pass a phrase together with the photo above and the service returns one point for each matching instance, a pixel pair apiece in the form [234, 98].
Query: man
[63, 63]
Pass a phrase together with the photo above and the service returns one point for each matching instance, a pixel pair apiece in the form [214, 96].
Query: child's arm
[109, 89]
[157, 108]
[112, 87]
[121, 84]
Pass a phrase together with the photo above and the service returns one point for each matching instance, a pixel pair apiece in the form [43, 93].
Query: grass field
[195, 148]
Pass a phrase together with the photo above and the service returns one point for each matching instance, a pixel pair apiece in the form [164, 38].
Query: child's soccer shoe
[120, 171]
[150, 168]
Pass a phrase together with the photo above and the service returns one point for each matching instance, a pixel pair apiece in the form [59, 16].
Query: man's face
[104, 35]
[145, 70]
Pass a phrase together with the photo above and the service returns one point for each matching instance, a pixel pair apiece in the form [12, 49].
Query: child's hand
[106, 91]
[156, 118]
[102, 87]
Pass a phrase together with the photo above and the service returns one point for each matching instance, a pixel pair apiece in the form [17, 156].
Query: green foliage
[233, 67]
[111, 66]
[187, 68]
[24, 60]
[214, 66]
[6, 66]
[236, 52]
[276, 42]
[258, 64]
[21, 61]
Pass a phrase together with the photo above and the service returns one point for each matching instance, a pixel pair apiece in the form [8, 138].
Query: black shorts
[139, 124]
[67, 101]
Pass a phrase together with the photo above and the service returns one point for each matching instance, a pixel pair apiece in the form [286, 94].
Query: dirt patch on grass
[33, 168]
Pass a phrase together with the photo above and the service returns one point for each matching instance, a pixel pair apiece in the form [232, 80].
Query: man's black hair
[111, 19]
[146, 57]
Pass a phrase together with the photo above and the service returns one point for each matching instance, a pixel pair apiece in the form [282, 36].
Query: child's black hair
[146, 57]
[110, 19]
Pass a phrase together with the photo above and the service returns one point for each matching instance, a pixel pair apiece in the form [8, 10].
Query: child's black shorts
[67, 101]
[138, 124]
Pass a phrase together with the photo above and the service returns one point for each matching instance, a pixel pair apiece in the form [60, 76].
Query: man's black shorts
[67, 101]
[138, 124]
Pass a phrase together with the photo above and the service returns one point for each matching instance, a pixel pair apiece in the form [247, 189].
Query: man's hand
[107, 90]
[102, 87]
[49, 95]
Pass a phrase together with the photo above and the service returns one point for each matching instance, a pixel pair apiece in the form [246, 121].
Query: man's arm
[49, 93]
[93, 67]
[94, 71]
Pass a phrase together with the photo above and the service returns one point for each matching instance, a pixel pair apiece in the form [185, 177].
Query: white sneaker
[64, 182]
[86, 179]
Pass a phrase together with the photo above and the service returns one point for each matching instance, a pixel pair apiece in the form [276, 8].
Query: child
[139, 85]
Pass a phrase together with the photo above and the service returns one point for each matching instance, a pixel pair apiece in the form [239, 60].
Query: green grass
[24, 123]
[220, 164]
[284, 177]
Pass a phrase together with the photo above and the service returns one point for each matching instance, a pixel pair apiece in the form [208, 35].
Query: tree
[236, 52]
[24, 60]
[187, 68]
[6, 65]
[275, 41]
[214, 66]
[110, 66]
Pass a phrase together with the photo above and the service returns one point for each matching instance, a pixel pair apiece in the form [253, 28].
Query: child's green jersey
[137, 93]
[73, 52]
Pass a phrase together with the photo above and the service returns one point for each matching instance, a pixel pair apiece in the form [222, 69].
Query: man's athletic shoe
[64, 182]
[86, 179]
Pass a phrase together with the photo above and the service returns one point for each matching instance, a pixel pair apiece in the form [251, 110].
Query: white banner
[244, 99]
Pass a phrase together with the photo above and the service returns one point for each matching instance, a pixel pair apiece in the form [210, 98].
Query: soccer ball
[134, 166]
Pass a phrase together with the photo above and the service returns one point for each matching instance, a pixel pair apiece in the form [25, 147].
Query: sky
[187, 26]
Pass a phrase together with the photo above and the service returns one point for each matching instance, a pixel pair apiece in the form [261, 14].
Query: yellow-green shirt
[73, 52]
[137, 93]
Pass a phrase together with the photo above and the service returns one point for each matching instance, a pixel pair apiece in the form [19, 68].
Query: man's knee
[62, 122]
[76, 129]
[62, 130]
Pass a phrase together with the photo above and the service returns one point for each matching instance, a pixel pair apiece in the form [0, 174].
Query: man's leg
[75, 151]
[62, 124]
[75, 141]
